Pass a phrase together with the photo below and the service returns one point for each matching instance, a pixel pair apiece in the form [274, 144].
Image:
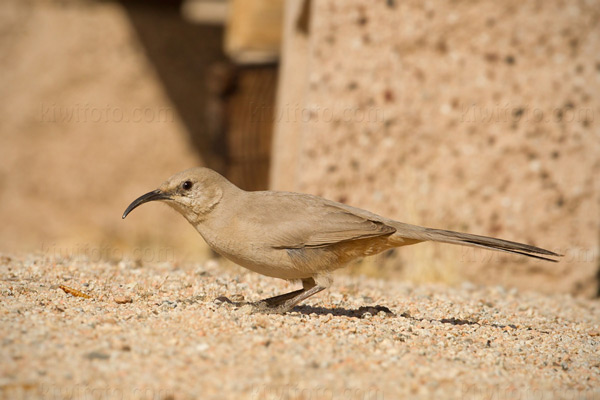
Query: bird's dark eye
[187, 185]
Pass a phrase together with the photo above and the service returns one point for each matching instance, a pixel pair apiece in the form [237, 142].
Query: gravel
[170, 331]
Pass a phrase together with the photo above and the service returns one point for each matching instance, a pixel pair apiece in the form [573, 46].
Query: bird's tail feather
[467, 239]
[486, 242]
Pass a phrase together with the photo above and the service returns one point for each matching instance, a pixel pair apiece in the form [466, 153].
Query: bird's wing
[321, 223]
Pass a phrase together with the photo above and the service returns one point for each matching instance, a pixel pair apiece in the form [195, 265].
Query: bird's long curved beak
[150, 196]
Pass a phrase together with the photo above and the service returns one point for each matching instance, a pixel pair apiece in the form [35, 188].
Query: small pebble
[246, 309]
[123, 299]
[236, 298]
[96, 355]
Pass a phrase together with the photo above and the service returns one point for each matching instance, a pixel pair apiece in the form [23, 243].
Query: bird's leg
[287, 301]
[289, 304]
[277, 300]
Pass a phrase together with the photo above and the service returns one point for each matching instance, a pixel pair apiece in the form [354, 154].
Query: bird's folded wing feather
[334, 224]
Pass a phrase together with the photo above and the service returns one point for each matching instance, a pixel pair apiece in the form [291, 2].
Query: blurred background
[476, 116]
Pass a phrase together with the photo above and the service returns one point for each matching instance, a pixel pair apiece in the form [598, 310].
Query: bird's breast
[253, 254]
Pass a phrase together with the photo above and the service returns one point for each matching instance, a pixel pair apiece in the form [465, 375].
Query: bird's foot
[235, 301]
[264, 307]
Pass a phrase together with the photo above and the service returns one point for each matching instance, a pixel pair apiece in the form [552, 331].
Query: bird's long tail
[486, 242]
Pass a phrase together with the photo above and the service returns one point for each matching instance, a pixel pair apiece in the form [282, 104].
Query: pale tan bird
[296, 236]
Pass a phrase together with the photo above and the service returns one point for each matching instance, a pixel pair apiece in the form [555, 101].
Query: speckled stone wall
[472, 116]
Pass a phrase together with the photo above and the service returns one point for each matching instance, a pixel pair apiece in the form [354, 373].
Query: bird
[297, 236]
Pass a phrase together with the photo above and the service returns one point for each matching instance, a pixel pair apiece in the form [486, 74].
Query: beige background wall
[89, 122]
[471, 116]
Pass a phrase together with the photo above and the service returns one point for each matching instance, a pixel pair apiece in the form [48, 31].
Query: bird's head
[193, 193]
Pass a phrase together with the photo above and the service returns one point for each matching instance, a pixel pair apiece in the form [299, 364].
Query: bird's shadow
[303, 309]
[362, 312]
[376, 309]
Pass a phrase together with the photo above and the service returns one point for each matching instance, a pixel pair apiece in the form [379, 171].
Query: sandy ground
[156, 331]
